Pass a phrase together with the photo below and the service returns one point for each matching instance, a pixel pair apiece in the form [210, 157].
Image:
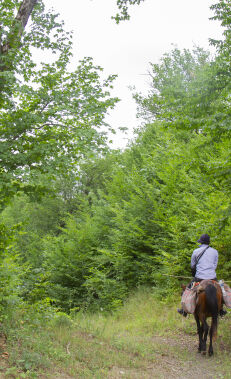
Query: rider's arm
[215, 260]
[193, 259]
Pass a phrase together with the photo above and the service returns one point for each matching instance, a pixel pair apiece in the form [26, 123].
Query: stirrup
[222, 312]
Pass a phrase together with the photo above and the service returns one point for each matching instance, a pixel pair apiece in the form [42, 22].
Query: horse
[208, 304]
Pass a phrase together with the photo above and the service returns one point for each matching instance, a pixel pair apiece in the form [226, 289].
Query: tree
[178, 89]
[50, 117]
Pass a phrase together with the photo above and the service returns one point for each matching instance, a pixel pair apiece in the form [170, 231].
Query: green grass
[144, 339]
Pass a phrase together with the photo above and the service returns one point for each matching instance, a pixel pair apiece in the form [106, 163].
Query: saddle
[199, 287]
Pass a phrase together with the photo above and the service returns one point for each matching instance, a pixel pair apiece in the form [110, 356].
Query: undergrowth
[132, 342]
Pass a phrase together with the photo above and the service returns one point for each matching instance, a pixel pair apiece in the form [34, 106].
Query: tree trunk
[18, 25]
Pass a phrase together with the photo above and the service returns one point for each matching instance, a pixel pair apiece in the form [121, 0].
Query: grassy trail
[144, 339]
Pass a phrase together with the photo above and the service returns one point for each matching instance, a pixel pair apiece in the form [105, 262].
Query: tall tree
[49, 117]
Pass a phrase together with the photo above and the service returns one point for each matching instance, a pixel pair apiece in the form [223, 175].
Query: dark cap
[204, 239]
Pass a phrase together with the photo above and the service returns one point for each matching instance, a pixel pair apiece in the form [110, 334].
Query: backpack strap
[200, 255]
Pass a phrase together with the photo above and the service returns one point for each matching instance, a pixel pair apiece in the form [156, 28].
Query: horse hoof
[210, 353]
[203, 352]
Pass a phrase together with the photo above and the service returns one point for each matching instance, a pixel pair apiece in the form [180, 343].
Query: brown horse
[209, 303]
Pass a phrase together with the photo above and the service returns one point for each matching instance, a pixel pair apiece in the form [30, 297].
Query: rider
[206, 266]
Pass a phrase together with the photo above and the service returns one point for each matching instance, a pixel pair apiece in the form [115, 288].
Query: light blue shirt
[206, 267]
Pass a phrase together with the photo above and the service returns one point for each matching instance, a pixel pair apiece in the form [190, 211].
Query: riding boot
[182, 312]
[222, 312]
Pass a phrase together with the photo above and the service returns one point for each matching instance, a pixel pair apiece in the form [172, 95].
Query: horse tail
[212, 306]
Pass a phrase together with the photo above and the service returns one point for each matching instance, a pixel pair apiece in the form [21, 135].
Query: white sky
[126, 49]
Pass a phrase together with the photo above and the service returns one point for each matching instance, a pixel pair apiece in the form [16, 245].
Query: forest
[82, 225]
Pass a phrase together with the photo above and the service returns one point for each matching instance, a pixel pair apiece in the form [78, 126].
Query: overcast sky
[126, 49]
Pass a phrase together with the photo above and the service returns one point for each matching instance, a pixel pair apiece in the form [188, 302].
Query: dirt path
[179, 360]
[188, 365]
[173, 357]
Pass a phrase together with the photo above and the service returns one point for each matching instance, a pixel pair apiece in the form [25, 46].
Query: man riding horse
[204, 260]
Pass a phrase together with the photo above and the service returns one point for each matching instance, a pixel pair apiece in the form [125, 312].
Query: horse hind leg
[212, 304]
[200, 332]
[211, 342]
[212, 333]
[204, 337]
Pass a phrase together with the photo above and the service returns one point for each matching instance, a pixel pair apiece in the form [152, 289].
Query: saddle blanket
[227, 296]
[188, 300]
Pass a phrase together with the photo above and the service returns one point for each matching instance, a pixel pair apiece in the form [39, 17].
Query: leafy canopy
[50, 117]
